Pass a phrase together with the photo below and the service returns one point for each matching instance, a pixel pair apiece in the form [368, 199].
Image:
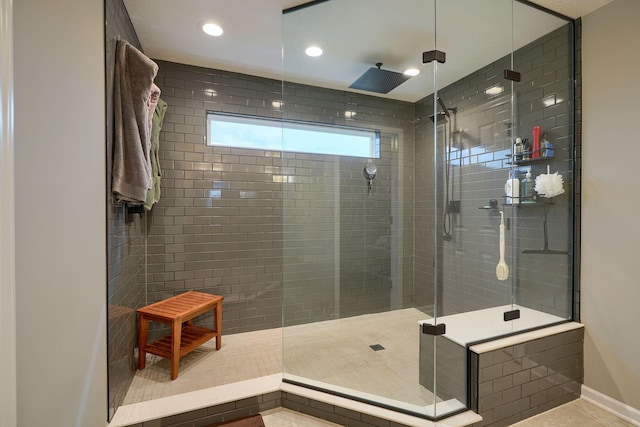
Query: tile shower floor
[336, 352]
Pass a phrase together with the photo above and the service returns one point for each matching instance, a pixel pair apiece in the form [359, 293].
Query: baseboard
[626, 412]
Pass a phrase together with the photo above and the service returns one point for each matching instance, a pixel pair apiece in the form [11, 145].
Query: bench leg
[176, 332]
[218, 325]
[143, 332]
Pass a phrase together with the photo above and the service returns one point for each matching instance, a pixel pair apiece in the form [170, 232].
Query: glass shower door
[352, 302]
[473, 238]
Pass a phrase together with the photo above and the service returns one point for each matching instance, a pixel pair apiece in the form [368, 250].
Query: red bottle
[535, 150]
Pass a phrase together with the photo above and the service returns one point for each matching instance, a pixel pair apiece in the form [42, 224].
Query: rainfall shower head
[375, 79]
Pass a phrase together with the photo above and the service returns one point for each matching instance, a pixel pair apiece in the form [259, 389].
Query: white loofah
[549, 185]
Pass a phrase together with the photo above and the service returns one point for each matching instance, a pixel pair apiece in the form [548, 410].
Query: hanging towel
[153, 195]
[154, 95]
[133, 80]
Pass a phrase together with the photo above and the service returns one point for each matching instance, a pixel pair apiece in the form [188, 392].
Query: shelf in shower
[523, 162]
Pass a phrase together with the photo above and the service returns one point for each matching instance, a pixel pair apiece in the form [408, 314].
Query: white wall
[610, 296]
[60, 213]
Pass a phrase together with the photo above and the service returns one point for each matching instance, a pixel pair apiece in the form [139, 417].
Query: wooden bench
[175, 311]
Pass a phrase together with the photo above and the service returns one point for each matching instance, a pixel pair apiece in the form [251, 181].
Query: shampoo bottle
[535, 149]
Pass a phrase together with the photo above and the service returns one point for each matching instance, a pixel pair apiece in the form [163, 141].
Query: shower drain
[376, 347]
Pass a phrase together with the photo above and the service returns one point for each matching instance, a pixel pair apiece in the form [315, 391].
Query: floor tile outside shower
[578, 413]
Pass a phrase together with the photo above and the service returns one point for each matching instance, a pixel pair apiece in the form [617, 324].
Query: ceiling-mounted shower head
[375, 79]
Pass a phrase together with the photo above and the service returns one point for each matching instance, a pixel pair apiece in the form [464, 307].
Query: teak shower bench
[175, 311]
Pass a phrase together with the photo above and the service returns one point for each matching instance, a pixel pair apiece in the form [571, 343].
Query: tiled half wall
[515, 382]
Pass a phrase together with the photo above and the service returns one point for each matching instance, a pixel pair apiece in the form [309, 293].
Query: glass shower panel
[351, 306]
[472, 156]
[475, 104]
[543, 220]
[434, 119]
[513, 99]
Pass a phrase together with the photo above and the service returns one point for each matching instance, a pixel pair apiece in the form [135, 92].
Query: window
[239, 131]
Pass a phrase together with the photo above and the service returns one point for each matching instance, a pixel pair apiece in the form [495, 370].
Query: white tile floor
[578, 413]
[242, 357]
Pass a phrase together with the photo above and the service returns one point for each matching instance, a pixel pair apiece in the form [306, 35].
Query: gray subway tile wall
[517, 382]
[125, 241]
[217, 227]
[263, 228]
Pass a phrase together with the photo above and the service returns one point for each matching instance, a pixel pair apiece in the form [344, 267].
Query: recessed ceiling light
[349, 114]
[212, 29]
[411, 72]
[313, 51]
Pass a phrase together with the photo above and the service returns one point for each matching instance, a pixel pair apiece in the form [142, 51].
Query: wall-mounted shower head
[441, 115]
[444, 107]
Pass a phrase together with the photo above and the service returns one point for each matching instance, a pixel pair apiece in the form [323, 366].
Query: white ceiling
[354, 34]
[572, 8]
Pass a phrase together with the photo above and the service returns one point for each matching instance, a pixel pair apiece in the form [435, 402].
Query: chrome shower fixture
[369, 172]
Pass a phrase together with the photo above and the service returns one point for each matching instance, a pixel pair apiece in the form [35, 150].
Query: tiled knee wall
[206, 417]
[517, 382]
[219, 413]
